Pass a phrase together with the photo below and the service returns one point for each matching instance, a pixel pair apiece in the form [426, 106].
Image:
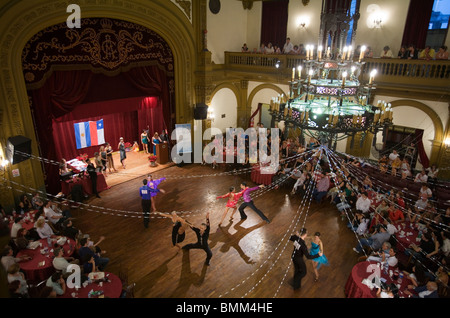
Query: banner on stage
[89, 133]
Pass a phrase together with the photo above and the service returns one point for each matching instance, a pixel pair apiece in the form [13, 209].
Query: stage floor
[136, 165]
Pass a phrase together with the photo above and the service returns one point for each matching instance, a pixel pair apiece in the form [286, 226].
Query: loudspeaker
[18, 149]
[200, 111]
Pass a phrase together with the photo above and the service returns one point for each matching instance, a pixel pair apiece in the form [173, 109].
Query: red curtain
[59, 100]
[423, 158]
[274, 22]
[417, 20]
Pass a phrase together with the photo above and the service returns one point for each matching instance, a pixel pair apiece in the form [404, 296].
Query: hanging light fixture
[331, 103]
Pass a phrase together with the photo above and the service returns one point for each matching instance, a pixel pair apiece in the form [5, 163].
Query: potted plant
[152, 159]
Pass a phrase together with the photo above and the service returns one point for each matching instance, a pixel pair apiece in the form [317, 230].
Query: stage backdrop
[109, 69]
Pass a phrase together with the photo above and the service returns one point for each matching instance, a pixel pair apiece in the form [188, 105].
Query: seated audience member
[51, 215]
[43, 229]
[374, 241]
[425, 191]
[430, 290]
[432, 173]
[244, 48]
[383, 164]
[60, 262]
[26, 203]
[395, 166]
[295, 50]
[14, 273]
[399, 200]
[100, 262]
[262, 49]
[395, 214]
[322, 187]
[403, 53]
[36, 201]
[427, 247]
[386, 52]
[368, 53]
[269, 49]
[21, 240]
[363, 203]
[427, 53]
[382, 257]
[14, 289]
[8, 258]
[88, 262]
[57, 282]
[405, 169]
[421, 177]
[69, 230]
[16, 226]
[442, 53]
[413, 52]
[421, 204]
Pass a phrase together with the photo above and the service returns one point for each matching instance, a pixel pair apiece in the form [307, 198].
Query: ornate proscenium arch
[101, 44]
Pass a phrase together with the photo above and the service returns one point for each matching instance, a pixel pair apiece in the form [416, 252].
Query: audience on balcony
[386, 52]
[403, 53]
[287, 47]
[442, 53]
[413, 52]
[427, 53]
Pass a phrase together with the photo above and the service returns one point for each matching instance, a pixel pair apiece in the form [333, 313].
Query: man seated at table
[382, 257]
[430, 290]
[100, 262]
[9, 259]
[427, 247]
[375, 241]
[57, 282]
[54, 217]
[70, 231]
[421, 177]
[60, 262]
[16, 227]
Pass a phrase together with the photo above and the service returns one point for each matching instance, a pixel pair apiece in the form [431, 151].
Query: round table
[355, 288]
[261, 177]
[406, 235]
[111, 288]
[40, 266]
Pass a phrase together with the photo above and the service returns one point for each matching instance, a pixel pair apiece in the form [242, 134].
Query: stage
[136, 166]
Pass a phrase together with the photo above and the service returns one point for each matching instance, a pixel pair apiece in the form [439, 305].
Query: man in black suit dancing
[300, 250]
[202, 239]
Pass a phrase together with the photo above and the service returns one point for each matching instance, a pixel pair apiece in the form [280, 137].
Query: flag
[89, 133]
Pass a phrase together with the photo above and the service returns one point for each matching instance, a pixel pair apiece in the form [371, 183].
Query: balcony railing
[433, 74]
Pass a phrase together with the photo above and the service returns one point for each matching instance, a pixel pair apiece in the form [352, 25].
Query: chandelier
[331, 103]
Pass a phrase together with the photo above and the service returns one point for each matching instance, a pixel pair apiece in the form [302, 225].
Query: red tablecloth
[111, 289]
[27, 220]
[66, 186]
[36, 271]
[406, 235]
[261, 178]
[354, 288]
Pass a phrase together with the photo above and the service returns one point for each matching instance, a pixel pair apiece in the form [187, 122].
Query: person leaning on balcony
[442, 53]
[368, 53]
[427, 53]
[244, 48]
[413, 53]
[269, 49]
[403, 53]
[386, 52]
[262, 49]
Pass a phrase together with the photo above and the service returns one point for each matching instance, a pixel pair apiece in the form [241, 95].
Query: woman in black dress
[178, 229]
[123, 154]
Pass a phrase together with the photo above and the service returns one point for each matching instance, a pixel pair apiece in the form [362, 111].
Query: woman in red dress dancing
[232, 201]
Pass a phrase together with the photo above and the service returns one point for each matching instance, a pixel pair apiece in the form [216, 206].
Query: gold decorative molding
[186, 7]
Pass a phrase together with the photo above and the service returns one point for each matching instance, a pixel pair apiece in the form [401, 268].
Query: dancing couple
[248, 202]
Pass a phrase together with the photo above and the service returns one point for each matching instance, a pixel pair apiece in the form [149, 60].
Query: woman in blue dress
[155, 141]
[316, 247]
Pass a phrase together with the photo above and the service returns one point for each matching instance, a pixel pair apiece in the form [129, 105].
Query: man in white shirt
[382, 257]
[392, 156]
[16, 226]
[421, 204]
[288, 46]
[60, 263]
[51, 215]
[363, 203]
[421, 177]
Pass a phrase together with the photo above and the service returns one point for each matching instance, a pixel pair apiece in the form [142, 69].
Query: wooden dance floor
[251, 258]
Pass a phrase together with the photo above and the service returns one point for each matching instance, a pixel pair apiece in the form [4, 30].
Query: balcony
[402, 76]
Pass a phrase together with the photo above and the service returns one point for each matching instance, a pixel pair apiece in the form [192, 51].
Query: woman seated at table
[14, 273]
[428, 247]
[44, 230]
[395, 214]
[26, 203]
[21, 239]
[57, 282]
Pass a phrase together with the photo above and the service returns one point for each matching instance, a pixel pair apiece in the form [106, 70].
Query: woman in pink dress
[232, 201]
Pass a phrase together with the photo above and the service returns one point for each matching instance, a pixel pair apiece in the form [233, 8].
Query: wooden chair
[34, 290]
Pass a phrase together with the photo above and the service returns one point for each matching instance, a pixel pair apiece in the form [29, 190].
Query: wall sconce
[3, 164]
[302, 22]
[210, 114]
[377, 22]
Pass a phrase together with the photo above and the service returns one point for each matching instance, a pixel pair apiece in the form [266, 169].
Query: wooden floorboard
[251, 259]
